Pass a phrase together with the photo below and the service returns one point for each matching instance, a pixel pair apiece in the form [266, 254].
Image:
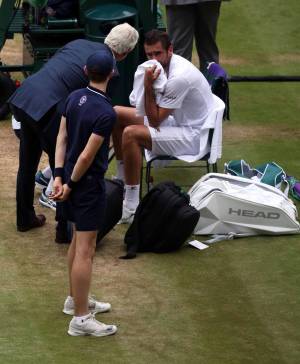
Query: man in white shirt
[170, 127]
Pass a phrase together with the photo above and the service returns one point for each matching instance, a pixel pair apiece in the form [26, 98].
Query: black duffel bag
[162, 222]
[114, 203]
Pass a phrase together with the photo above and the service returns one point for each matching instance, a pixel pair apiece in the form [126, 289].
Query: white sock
[49, 187]
[47, 173]
[120, 170]
[70, 298]
[132, 196]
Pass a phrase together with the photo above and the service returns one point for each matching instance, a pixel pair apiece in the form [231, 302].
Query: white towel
[216, 143]
[137, 96]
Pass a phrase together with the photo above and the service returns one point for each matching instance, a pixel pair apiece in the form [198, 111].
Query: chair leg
[207, 167]
[141, 181]
[111, 154]
[148, 175]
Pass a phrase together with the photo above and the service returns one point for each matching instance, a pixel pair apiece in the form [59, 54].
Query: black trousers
[35, 137]
[199, 21]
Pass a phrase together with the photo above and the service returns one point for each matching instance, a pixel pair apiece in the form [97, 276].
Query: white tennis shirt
[187, 92]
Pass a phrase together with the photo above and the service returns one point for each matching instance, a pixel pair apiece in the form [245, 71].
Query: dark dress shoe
[37, 222]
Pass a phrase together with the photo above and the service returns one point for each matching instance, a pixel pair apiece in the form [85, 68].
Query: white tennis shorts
[170, 139]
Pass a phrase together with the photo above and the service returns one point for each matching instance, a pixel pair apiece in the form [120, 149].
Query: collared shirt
[187, 92]
[88, 111]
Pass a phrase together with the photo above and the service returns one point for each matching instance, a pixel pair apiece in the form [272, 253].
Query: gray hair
[122, 38]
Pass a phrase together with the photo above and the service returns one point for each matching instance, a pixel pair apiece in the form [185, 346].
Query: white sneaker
[94, 306]
[46, 201]
[90, 326]
[127, 215]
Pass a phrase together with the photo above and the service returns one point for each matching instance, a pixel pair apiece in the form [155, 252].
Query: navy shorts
[86, 204]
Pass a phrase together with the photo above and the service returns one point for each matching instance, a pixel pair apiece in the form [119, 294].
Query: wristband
[58, 172]
[71, 184]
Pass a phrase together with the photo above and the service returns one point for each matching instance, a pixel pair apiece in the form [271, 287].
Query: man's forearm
[151, 108]
[81, 166]
[61, 144]
[60, 151]
[86, 157]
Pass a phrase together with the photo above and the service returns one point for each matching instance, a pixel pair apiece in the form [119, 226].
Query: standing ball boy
[81, 159]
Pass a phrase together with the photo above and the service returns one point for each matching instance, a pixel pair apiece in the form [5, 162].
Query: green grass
[234, 303]
[259, 35]
[266, 103]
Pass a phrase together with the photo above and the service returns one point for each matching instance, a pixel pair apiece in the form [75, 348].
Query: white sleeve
[174, 94]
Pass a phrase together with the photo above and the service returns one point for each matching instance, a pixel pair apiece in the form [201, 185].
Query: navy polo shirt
[88, 111]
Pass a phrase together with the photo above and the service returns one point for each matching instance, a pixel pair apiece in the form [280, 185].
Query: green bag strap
[272, 174]
[269, 173]
[238, 168]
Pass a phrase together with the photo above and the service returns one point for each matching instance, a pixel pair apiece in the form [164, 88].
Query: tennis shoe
[90, 326]
[46, 201]
[127, 215]
[41, 181]
[94, 306]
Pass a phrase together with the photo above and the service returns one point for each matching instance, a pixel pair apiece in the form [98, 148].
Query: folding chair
[211, 152]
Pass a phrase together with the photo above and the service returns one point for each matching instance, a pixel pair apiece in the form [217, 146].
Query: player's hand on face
[151, 74]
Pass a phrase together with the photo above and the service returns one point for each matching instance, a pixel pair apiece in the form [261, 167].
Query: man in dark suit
[38, 105]
[7, 88]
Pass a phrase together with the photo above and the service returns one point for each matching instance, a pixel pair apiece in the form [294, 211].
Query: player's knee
[124, 115]
[117, 110]
[130, 134]
[87, 250]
